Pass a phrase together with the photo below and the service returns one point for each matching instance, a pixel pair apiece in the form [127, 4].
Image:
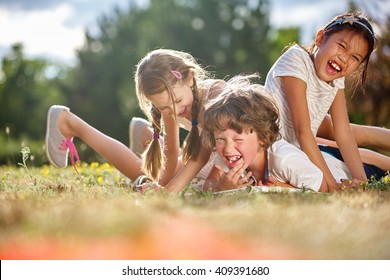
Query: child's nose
[229, 146]
[345, 58]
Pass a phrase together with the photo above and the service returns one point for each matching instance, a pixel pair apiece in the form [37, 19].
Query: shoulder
[295, 62]
[290, 164]
[285, 155]
[296, 52]
[282, 146]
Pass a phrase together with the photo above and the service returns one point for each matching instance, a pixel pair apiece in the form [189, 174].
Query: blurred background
[82, 54]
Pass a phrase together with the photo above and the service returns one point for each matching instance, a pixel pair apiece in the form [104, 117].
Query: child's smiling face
[237, 148]
[182, 101]
[339, 54]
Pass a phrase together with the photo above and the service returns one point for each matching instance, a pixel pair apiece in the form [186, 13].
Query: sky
[54, 29]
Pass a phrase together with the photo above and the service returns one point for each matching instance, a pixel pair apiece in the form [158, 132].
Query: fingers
[324, 188]
[239, 174]
[236, 177]
[354, 184]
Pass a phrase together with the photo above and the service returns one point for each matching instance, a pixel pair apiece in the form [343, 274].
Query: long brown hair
[153, 76]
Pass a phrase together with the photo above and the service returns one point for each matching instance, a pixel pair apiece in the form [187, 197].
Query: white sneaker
[136, 128]
[57, 146]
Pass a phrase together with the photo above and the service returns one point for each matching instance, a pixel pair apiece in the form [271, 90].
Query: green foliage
[25, 94]
[227, 36]
[383, 184]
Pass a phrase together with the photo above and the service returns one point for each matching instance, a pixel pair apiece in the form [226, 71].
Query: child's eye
[219, 139]
[178, 100]
[341, 46]
[356, 58]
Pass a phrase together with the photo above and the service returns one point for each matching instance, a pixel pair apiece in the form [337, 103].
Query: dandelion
[94, 164]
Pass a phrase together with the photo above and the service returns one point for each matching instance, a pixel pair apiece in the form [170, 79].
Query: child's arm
[189, 171]
[295, 92]
[171, 147]
[345, 139]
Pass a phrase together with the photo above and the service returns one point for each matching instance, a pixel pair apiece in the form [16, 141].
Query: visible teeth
[233, 159]
[335, 66]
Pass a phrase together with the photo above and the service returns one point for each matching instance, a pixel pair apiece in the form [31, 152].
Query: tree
[229, 36]
[25, 94]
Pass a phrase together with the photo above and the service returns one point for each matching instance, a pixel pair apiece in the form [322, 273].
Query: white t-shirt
[296, 62]
[289, 164]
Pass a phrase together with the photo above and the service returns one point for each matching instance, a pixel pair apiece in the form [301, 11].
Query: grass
[49, 213]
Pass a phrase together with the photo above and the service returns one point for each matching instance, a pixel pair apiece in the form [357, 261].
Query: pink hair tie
[177, 74]
[156, 136]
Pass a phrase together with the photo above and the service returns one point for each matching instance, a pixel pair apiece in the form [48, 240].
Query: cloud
[30, 5]
[44, 30]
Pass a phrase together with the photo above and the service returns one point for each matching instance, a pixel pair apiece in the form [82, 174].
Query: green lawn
[49, 213]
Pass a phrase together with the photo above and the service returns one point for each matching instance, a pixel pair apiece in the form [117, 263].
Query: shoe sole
[131, 133]
[131, 130]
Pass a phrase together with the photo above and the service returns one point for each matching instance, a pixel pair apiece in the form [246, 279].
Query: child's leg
[365, 135]
[367, 156]
[141, 134]
[374, 158]
[114, 151]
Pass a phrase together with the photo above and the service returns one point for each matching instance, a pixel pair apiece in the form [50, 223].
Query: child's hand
[233, 178]
[144, 184]
[348, 184]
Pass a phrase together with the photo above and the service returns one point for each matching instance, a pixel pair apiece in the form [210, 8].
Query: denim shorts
[371, 170]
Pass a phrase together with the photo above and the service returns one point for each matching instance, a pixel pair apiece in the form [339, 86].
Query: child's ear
[319, 38]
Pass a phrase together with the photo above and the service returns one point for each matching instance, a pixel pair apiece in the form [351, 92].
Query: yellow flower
[94, 164]
[44, 170]
[100, 179]
[105, 165]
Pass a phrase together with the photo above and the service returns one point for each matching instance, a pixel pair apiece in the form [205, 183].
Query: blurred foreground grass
[49, 213]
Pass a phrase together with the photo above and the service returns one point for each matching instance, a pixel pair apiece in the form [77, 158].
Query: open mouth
[333, 67]
[233, 160]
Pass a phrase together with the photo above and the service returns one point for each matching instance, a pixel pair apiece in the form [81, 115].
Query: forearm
[188, 172]
[349, 151]
[309, 145]
[171, 149]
